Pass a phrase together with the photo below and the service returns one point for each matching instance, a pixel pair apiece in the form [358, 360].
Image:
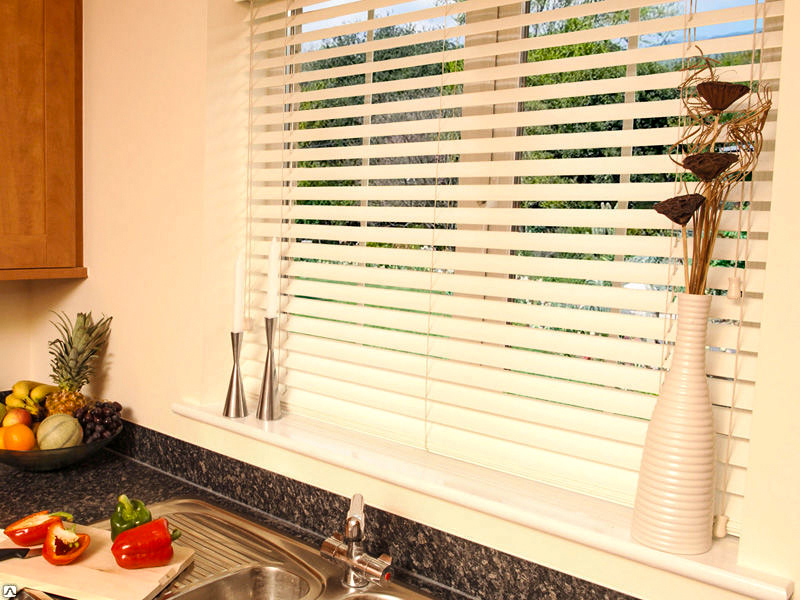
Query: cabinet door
[40, 135]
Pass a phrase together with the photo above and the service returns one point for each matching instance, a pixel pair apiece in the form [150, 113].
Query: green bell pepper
[128, 514]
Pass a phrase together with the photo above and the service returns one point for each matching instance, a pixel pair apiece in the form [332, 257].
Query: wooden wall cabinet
[41, 191]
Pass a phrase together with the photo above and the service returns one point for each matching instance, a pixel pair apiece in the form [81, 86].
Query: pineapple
[73, 357]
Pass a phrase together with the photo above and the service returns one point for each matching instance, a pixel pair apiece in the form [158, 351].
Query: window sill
[595, 523]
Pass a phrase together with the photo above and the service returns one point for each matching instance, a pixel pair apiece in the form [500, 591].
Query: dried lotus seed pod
[679, 209]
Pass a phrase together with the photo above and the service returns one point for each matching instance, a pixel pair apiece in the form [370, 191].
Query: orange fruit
[2, 442]
[18, 437]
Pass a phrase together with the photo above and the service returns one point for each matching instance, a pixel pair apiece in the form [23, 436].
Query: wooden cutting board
[95, 575]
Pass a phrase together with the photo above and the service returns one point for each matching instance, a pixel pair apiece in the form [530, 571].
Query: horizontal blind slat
[585, 476]
[605, 243]
[741, 43]
[606, 139]
[612, 400]
[362, 418]
[656, 81]
[523, 266]
[431, 125]
[565, 192]
[525, 44]
[356, 303]
[570, 294]
[484, 26]
[569, 12]
[594, 359]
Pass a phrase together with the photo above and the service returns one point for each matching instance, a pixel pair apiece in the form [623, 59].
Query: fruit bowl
[50, 460]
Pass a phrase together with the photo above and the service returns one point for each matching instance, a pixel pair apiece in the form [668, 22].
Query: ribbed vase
[673, 510]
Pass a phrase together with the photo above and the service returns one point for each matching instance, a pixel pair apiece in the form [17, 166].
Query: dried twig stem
[705, 128]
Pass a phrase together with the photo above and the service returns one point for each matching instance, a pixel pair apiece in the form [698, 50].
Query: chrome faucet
[361, 568]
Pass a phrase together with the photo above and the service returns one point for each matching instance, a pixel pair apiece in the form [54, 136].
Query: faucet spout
[354, 525]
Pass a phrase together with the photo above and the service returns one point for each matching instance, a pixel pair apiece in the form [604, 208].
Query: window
[463, 193]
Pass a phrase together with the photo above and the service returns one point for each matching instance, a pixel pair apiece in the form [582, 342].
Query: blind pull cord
[736, 288]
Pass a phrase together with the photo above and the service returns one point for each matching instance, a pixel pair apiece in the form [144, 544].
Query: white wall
[164, 205]
[771, 528]
[15, 338]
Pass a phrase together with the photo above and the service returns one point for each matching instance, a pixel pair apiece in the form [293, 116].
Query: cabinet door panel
[22, 178]
[62, 102]
[40, 186]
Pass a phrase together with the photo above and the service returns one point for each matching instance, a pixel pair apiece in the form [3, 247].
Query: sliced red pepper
[148, 545]
[31, 530]
[62, 546]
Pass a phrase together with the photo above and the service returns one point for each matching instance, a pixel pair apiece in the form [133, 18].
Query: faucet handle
[361, 568]
[354, 526]
[348, 549]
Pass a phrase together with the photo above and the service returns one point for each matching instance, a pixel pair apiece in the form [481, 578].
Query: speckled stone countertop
[88, 490]
[153, 467]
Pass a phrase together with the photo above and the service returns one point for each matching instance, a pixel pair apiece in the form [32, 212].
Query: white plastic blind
[463, 193]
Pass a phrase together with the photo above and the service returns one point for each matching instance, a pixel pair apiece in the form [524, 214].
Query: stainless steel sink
[371, 596]
[236, 558]
[254, 582]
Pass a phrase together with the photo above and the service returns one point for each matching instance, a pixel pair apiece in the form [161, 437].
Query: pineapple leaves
[74, 352]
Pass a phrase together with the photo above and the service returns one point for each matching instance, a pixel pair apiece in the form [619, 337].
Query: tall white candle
[238, 294]
[273, 279]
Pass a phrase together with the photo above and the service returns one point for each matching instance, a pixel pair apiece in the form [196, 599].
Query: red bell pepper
[32, 530]
[148, 545]
[62, 546]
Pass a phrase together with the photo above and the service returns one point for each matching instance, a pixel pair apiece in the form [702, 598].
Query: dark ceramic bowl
[50, 460]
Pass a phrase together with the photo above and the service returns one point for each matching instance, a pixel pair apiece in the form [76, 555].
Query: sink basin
[371, 596]
[237, 558]
[256, 582]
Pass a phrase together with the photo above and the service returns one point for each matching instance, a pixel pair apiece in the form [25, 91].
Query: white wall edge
[595, 523]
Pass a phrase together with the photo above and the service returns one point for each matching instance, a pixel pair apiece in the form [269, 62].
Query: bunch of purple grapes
[100, 420]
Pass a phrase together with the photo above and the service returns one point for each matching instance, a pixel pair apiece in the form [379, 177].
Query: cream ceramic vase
[673, 510]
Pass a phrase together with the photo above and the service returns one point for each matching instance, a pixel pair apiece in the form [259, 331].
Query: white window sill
[595, 523]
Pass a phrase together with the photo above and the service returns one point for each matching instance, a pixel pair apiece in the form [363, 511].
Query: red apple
[17, 415]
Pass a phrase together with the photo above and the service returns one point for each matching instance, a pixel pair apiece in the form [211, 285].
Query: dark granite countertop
[89, 491]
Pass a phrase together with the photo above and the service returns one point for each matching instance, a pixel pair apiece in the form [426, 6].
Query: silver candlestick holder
[269, 405]
[235, 406]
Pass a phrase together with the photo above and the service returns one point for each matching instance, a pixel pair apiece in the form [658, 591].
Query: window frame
[766, 541]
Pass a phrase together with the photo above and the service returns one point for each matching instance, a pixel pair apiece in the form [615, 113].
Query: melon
[59, 431]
